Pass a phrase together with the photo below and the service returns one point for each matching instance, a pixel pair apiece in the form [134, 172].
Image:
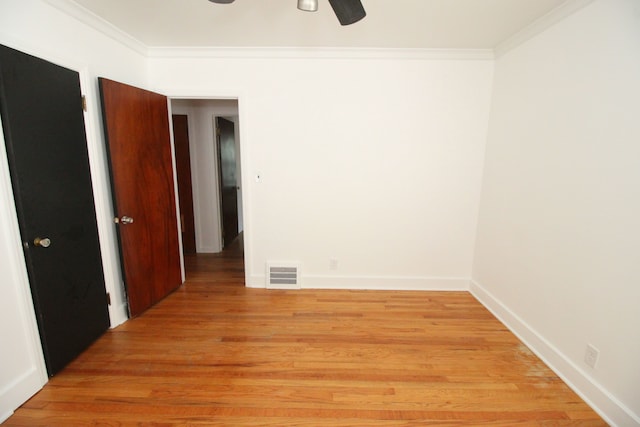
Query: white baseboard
[207, 250]
[601, 400]
[386, 283]
[118, 314]
[255, 281]
[374, 283]
[5, 416]
[19, 391]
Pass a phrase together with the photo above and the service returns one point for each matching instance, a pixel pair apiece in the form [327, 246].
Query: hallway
[224, 266]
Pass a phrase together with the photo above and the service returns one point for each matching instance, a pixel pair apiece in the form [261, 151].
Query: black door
[43, 124]
[228, 180]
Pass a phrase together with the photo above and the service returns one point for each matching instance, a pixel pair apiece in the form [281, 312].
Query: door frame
[98, 164]
[245, 169]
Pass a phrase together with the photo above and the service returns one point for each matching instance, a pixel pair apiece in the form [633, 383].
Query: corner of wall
[78, 12]
[606, 405]
[538, 26]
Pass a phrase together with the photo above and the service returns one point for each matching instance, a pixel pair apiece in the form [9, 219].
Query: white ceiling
[433, 24]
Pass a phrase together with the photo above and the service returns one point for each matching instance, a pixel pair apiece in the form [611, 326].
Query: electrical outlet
[591, 355]
[333, 264]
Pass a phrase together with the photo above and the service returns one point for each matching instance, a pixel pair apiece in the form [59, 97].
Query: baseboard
[386, 283]
[207, 250]
[19, 391]
[5, 416]
[601, 400]
[118, 314]
[379, 283]
[255, 281]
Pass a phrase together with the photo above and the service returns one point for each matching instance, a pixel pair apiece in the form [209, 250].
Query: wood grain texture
[185, 188]
[219, 354]
[136, 126]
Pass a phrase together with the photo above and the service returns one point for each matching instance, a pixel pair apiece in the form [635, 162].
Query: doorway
[205, 167]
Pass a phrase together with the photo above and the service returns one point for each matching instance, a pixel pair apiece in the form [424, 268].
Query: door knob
[43, 242]
[123, 220]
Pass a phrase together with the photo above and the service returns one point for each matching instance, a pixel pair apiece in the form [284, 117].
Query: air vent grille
[281, 276]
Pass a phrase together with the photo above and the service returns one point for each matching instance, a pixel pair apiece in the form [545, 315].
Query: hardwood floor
[216, 353]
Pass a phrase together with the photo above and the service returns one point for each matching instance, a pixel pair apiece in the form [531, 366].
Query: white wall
[558, 246]
[35, 27]
[22, 369]
[204, 166]
[375, 160]
[377, 163]
[372, 161]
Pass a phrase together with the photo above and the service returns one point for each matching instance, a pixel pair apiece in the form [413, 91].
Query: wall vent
[283, 276]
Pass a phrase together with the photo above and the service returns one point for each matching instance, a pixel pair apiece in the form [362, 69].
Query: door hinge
[218, 132]
[108, 298]
[84, 103]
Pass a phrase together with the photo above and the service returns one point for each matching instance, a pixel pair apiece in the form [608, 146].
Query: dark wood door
[43, 124]
[136, 124]
[228, 180]
[183, 172]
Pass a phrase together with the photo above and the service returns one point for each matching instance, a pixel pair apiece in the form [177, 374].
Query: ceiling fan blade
[222, 1]
[348, 11]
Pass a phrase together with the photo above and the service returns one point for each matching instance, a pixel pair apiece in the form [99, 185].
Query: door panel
[136, 124]
[43, 123]
[183, 172]
[228, 180]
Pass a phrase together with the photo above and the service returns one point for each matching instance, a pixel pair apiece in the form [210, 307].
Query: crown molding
[73, 9]
[566, 9]
[319, 53]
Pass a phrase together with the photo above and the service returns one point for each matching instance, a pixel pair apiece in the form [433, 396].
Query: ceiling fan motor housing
[348, 11]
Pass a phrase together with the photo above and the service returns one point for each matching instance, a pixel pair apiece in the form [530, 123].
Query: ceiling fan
[347, 11]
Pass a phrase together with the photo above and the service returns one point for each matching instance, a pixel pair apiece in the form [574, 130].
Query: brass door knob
[43, 242]
[123, 220]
